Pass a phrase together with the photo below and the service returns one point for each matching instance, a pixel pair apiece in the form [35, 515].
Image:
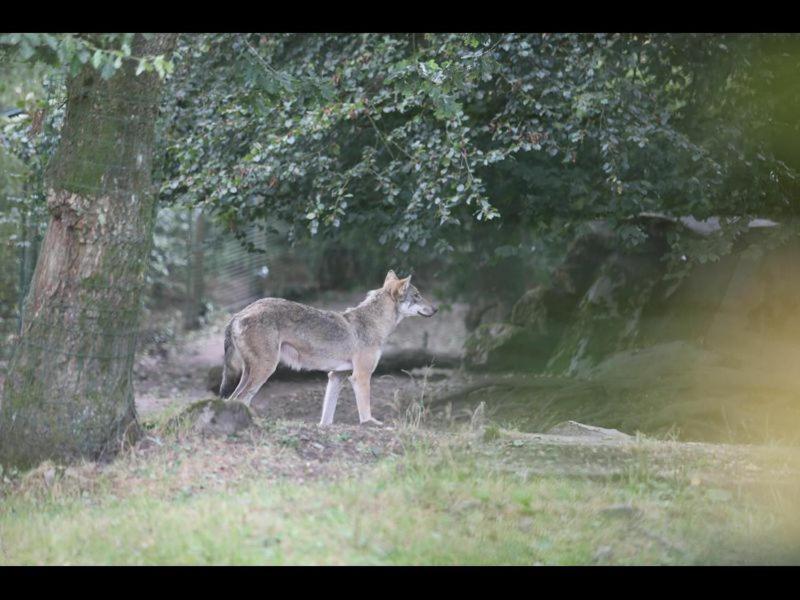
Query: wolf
[273, 330]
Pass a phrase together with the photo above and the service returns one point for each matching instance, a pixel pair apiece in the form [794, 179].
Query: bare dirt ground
[177, 377]
[168, 381]
[287, 412]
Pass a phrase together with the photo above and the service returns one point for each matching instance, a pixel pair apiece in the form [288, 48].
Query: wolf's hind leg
[259, 360]
[230, 381]
[243, 378]
[257, 377]
[335, 382]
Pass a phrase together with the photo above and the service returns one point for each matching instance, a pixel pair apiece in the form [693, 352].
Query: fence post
[195, 288]
[23, 266]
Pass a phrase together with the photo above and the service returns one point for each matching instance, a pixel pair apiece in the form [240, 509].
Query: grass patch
[450, 501]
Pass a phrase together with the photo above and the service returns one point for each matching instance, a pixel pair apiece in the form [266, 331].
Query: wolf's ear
[390, 277]
[399, 287]
[403, 285]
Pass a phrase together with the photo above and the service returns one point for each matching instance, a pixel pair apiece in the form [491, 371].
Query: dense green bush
[481, 147]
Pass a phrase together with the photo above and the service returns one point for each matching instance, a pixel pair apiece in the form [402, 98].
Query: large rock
[607, 317]
[539, 317]
[609, 340]
[604, 299]
[485, 312]
[531, 309]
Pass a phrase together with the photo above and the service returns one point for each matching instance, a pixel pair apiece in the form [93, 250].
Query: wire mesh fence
[25, 148]
[195, 263]
[214, 269]
[196, 266]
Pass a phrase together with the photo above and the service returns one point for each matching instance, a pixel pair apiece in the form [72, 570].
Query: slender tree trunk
[195, 290]
[24, 265]
[69, 391]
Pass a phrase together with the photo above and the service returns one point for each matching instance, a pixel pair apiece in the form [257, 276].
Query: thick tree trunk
[69, 390]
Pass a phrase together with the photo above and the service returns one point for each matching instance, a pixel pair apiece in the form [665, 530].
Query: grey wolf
[273, 330]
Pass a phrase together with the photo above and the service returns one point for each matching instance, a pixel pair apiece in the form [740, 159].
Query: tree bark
[69, 393]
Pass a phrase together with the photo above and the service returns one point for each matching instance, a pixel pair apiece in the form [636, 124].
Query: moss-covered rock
[530, 310]
[614, 343]
[214, 417]
[539, 318]
[607, 317]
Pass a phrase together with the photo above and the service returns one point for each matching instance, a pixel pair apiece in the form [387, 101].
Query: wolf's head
[409, 301]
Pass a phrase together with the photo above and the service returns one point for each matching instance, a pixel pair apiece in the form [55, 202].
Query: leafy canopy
[438, 142]
[424, 139]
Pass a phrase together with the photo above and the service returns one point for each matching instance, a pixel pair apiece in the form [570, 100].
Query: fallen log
[405, 360]
[515, 383]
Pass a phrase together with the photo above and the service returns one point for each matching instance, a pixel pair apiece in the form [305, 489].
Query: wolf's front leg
[335, 382]
[360, 381]
[364, 364]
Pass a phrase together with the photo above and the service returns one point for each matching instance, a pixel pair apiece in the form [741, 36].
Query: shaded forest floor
[439, 485]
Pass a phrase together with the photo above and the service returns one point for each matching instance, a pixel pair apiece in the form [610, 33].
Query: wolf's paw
[371, 423]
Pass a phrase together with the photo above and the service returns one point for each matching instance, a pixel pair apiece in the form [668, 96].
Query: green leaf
[108, 70]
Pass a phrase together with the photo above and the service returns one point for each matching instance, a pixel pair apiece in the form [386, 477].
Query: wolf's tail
[230, 373]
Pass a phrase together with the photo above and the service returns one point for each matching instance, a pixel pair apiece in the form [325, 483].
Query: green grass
[451, 503]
